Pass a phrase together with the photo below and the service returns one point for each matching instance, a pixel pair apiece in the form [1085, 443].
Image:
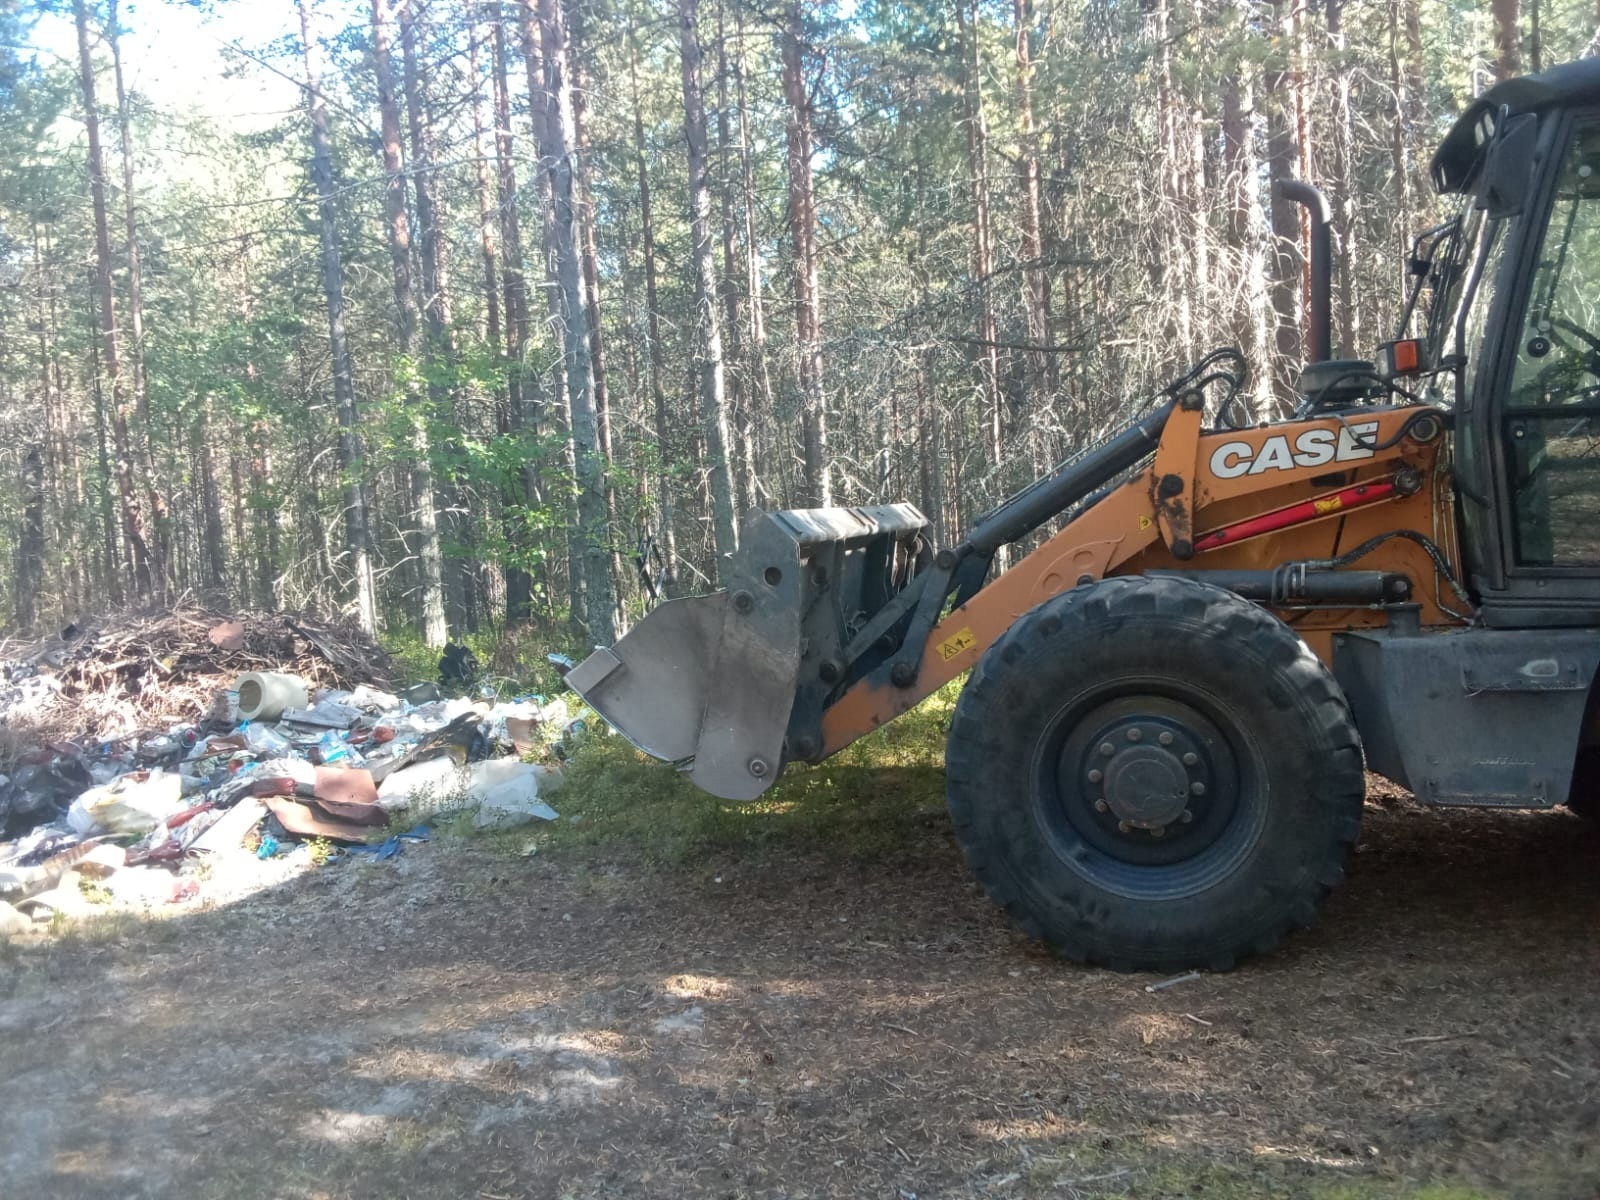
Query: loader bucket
[712, 680]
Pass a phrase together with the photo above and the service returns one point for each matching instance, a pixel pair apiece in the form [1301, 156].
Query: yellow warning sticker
[1331, 504]
[958, 641]
[1145, 522]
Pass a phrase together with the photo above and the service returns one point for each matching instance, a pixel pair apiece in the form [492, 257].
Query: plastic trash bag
[433, 783]
[134, 804]
[263, 739]
[505, 791]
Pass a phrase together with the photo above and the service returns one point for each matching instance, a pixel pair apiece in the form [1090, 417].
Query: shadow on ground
[788, 1025]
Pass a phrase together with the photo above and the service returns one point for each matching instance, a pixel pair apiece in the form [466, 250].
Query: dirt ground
[458, 1023]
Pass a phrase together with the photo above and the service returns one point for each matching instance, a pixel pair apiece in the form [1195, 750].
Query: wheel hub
[1147, 779]
[1147, 787]
[1150, 772]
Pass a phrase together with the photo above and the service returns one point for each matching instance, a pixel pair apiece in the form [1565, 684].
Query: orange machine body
[1242, 499]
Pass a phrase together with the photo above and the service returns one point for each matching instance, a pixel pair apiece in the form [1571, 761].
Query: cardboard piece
[306, 820]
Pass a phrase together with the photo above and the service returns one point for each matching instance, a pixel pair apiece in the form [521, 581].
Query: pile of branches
[117, 676]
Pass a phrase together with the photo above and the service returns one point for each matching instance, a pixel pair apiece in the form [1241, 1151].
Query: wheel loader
[1158, 758]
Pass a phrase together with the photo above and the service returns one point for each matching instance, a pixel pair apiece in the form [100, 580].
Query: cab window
[1551, 418]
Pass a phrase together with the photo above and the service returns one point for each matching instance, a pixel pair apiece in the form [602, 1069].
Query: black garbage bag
[458, 666]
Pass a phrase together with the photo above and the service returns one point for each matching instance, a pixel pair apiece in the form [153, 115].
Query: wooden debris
[137, 671]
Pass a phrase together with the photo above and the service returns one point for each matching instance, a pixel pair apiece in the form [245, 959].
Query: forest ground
[821, 1009]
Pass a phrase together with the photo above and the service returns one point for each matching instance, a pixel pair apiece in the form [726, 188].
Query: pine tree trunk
[588, 249]
[743, 448]
[545, 122]
[658, 392]
[263, 491]
[110, 572]
[143, 435]
[213, 537]
[487, 223]
[397, 227]
[487, 220]
[53, 465]
[258, 444]
[1399, 141]
[983, 245]
[1507, 38]
[817, 488]
[519, 584]
[240, 496]
[351, 457]
[1246, 233]
[1282, 84]
[30, 541]
[713, 394]
[438, 342]
[1172, 118]
[589, 255]
[761, 405]
[132, 513]
[930, 457]
[1344, 186]
[561, 156]
[1042, 381]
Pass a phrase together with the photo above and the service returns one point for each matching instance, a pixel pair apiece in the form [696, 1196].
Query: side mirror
[1508, 166]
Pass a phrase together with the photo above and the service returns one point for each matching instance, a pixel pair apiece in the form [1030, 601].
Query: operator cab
[1515, 320]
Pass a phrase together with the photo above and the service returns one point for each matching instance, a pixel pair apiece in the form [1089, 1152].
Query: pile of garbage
[278, 759]
[107, 678]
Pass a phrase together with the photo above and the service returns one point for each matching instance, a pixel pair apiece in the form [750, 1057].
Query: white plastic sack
[373, 700]
[503, 791]
[433, 784]
[134, 804]
[506, 792]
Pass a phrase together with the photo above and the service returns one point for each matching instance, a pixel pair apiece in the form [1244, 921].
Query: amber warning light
[1403, 357]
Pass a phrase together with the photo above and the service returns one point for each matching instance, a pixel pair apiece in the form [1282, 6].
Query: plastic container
[263, 695]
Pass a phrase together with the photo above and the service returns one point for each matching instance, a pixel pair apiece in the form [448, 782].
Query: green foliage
[863, 803]
[236, 357]
[514, 660]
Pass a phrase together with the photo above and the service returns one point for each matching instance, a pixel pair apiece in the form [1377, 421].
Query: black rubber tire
[1583, 797]
[1260, 700]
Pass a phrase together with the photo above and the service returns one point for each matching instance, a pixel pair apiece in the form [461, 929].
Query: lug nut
[1186, 816]
[1107, 749]
[1166, 737]
[1101, 806]
[1197, 788]
[1190, 759]
[1096, 775]
[1124, 827]
[1159, 831]
[1135, 734]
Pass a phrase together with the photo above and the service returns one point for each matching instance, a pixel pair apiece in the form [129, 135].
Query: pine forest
[511, 308]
